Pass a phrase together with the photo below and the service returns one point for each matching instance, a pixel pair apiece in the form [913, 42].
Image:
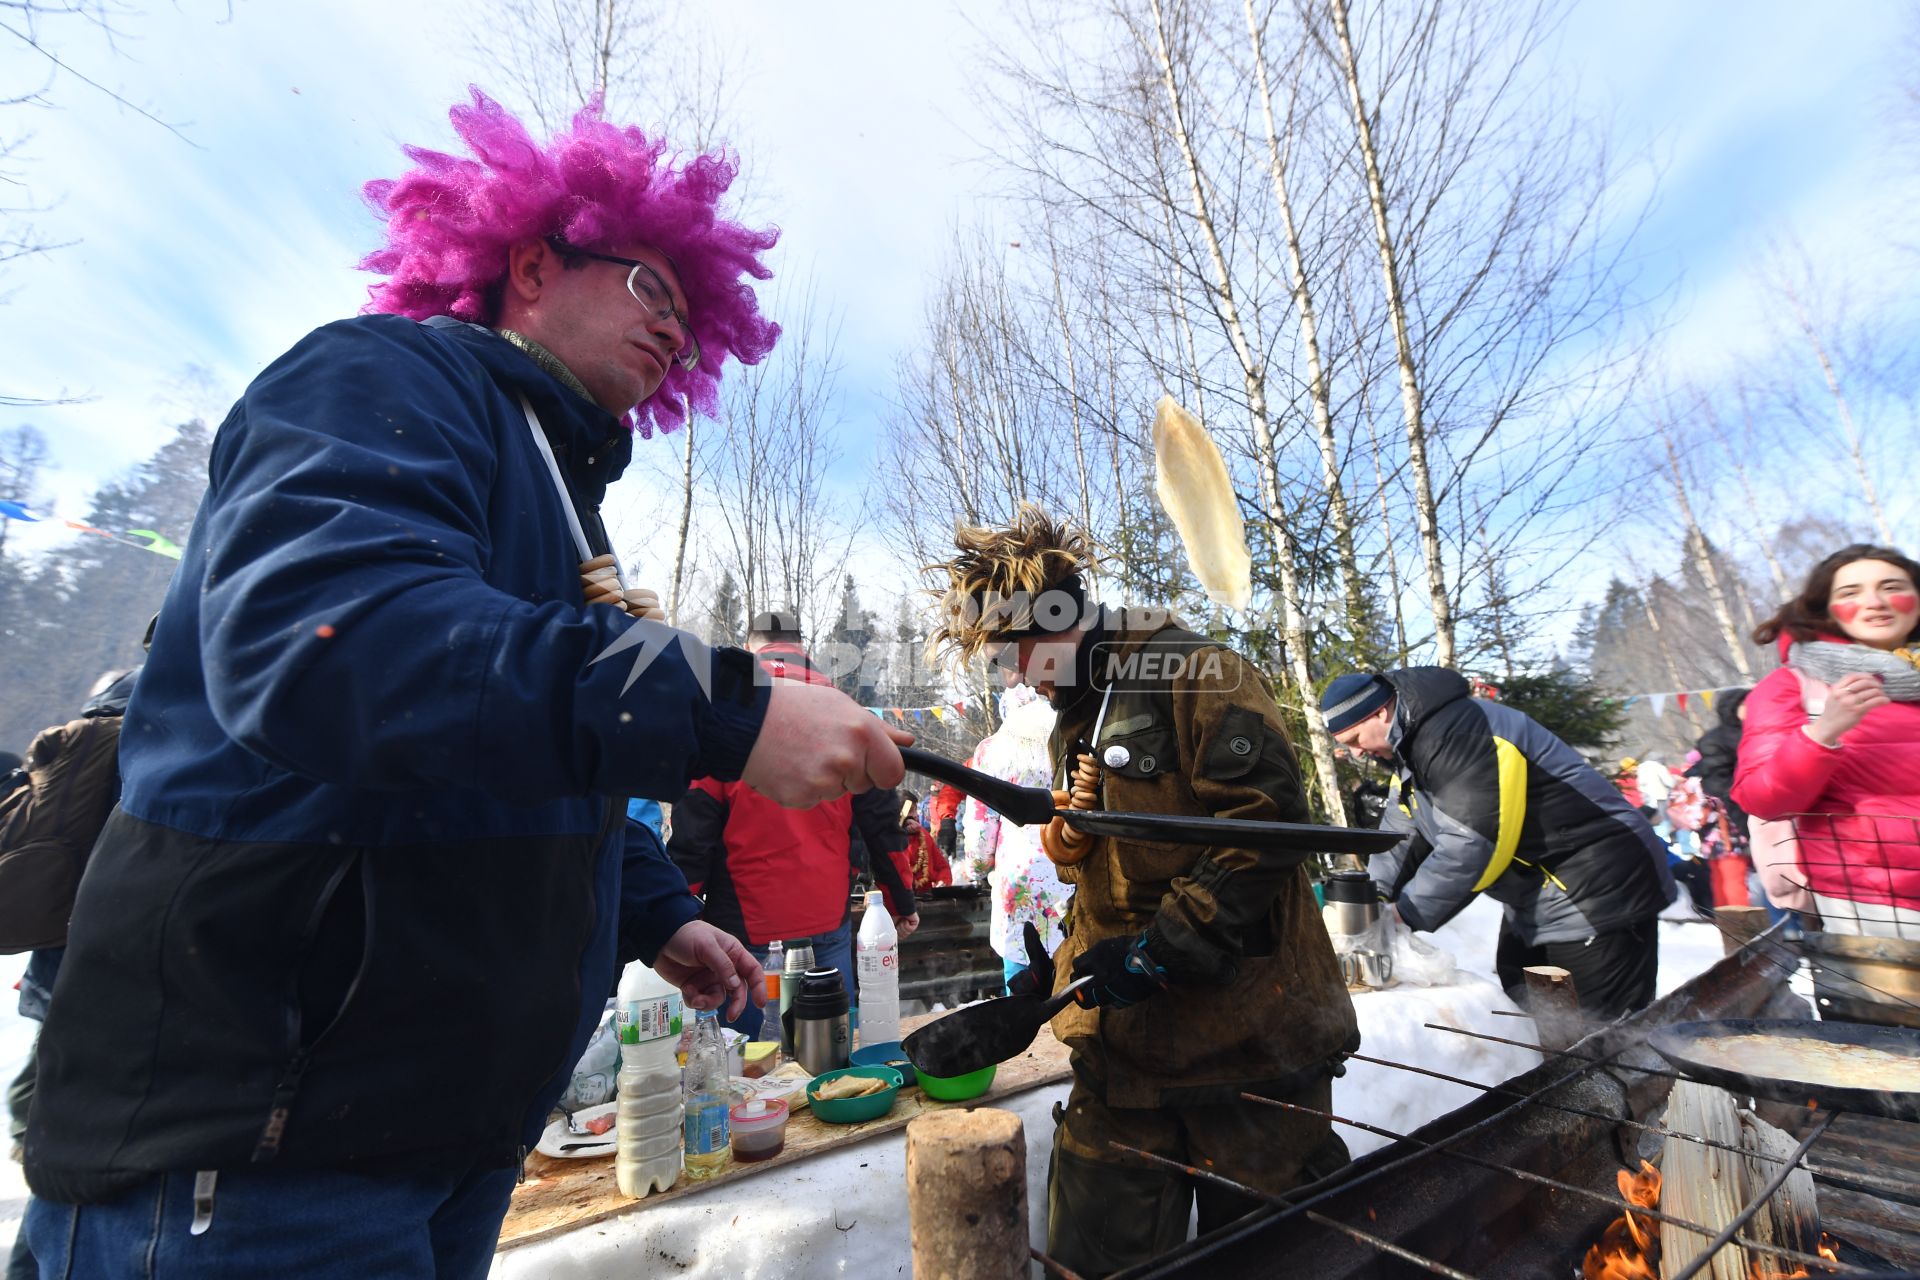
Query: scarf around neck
[548, 361]
[1828, 660]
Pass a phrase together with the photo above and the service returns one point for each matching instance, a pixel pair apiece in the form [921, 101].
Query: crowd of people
[1804, 796]
[391, 780]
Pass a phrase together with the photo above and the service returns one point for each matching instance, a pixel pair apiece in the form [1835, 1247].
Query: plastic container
[959, 1088]
[649, 1113]
[877, 964]
[705, 1087]
[776, 962]
[759, 1129]
[887, 1054]
[854, 1110]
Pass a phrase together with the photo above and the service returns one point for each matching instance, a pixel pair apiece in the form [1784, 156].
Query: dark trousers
[1613, 972]
[1107, 1210]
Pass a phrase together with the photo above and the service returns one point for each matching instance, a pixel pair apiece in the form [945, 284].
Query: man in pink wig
[364, 895]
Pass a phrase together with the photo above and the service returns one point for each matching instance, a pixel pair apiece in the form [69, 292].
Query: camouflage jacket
[1255, 996]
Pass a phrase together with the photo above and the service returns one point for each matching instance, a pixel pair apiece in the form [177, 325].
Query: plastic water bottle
[770, 1022]
[709, 1141]
[647, 1123]
[877, 961]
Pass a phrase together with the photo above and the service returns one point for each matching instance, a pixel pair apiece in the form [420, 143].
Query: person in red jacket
[765, 872]
[929, 865]
[1832, 738]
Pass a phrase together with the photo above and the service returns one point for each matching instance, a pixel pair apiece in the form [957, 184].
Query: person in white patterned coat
[1024, 883]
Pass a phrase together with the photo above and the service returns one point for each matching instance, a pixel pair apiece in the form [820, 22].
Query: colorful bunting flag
[159, 544]
[1681, 698]
[1659, 701]
[1706, 696]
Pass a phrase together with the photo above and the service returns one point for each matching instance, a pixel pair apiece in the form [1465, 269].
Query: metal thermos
[1353, 903]
[799, 959]
[817, 1022]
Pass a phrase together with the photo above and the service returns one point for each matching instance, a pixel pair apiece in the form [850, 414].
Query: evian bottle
[877, 961]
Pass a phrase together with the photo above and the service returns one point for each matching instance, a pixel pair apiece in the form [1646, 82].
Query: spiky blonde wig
[993, 585]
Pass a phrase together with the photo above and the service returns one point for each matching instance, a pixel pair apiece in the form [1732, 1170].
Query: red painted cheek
[1844, 611]
[1903, 603]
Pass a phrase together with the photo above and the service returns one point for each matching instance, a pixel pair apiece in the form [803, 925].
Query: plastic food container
[958, 1088]
[854, 1110]
[759, 1129]
[887, 1053]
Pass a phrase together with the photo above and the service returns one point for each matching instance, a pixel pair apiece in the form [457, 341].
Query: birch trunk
[1844, 412]
[1318, 391]
[1293, 617]
[1666, 655]
[1073, 384]
[686, 519]
[1702, 553]
[1426, 515]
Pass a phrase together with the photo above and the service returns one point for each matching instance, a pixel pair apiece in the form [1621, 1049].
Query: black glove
[1124, 973]
[948, 838]
[1037, 978]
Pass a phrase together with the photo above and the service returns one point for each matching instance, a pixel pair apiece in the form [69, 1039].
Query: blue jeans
[290, 1225]
[833, 950]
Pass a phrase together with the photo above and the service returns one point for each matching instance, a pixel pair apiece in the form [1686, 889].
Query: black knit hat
[1351, 698]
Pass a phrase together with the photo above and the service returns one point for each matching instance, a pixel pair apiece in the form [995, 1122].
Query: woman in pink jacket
[1835, 734]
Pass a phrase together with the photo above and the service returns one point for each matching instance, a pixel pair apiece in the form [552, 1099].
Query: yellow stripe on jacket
[1513, 809]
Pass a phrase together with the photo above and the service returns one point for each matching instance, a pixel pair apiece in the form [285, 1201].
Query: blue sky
[862, 121]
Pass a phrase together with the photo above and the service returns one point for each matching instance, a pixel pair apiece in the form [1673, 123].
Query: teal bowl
[854, 1110]
[887, 1053]
[958, 1088]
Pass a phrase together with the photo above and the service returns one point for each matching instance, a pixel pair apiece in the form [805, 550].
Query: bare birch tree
[776, 529]
[1700, 550]
[1791, 277]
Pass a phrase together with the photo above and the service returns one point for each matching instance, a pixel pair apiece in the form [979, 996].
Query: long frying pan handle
[1023, 805]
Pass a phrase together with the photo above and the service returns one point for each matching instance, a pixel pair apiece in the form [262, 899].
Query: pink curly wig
[451, 221]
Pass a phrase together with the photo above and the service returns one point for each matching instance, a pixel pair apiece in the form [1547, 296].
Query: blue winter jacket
[358, 906]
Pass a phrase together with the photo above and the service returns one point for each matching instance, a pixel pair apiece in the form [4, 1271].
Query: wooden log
[1739, 926]
[967, 1195]
[1710, 1186]
[1554, 1005]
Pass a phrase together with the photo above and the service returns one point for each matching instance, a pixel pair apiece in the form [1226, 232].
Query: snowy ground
[841, 1214]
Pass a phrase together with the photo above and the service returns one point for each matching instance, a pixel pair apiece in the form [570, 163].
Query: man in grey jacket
[1492, 802]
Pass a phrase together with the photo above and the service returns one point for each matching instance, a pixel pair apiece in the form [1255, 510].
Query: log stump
[967, 1195]
[1554, 1006]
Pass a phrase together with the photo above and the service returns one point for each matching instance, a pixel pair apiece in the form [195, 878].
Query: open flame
[1629, 1248]
[1824, 1249]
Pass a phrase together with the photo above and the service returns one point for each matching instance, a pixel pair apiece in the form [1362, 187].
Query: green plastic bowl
[958, 1088]
[855, 1110]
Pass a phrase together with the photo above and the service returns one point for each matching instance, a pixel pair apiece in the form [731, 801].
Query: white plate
[558, 1135]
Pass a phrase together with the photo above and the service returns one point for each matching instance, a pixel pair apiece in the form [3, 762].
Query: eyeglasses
[649, 290]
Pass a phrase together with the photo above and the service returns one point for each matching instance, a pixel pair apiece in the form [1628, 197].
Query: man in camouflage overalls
[1212, 974]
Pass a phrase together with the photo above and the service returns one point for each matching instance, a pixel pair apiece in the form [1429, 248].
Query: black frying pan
[1798, 1061]
[1025, 806]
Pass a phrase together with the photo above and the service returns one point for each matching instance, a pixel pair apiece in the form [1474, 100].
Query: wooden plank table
[562, 1195]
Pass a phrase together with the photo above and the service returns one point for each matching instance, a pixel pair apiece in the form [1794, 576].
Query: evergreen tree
[845, 655]
[83, 612]
[1572, 708]
[727, 618]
